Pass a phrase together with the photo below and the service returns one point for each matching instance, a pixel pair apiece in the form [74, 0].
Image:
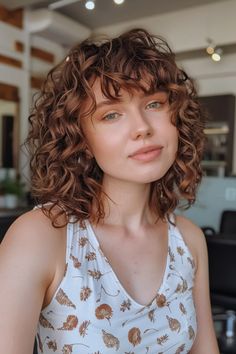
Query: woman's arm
[26, 270]
[205, 341]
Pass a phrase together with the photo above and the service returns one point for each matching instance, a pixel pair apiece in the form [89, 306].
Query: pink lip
[147, 153]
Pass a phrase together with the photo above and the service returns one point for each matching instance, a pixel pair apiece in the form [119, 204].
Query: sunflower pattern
[91, 312]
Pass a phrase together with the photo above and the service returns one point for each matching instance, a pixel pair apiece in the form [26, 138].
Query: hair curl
[62, 171]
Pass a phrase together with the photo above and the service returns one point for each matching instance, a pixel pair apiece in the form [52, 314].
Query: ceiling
[107, 12]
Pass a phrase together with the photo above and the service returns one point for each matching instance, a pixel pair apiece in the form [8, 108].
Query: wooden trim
[9, 92]
[19, 46]
[36, 82]
[42, 54]
[10, 61]
[12, 17]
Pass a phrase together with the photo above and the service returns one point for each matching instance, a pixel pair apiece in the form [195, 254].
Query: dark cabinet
[218, 155]
[5, 223]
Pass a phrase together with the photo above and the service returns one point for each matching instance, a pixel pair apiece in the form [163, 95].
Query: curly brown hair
[63, 172]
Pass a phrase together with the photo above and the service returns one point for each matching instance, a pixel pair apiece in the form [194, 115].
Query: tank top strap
[69, 240]
[178, 246]
[175, 236]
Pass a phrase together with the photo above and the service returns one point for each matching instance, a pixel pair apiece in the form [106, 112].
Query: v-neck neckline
[159, 291]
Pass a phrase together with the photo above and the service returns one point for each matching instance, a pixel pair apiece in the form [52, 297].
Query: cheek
[102, 152]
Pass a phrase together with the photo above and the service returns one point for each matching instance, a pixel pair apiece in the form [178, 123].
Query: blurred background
[36, 35]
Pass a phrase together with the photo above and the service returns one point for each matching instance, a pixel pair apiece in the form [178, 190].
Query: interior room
[35, 35]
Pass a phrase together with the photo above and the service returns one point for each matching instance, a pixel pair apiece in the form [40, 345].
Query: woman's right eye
[111, 116]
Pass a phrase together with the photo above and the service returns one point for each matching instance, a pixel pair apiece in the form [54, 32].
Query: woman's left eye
[154, 104]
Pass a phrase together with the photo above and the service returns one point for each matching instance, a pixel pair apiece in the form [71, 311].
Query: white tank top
[91, 313]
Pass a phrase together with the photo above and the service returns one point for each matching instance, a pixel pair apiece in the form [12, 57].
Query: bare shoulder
[30, 257]
[33, 238]
[33, 226]
[193, 236]
[186, 225]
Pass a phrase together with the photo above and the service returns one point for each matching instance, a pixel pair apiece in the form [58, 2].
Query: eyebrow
[110, 102]
[107, 103]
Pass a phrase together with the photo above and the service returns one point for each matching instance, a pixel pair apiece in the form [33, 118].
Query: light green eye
[111, 116]
[153, 105]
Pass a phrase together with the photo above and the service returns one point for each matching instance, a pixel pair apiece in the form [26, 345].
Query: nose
[141, 128]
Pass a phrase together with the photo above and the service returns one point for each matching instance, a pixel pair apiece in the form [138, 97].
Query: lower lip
[147, 156]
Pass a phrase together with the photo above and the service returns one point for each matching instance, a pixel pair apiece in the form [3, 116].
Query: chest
[138, 263]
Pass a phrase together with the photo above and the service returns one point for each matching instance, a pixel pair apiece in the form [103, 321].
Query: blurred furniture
[219, 131]
[228, 222]
[227, 226]
[222, 270]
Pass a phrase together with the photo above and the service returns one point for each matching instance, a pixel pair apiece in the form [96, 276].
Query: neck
[127, 203]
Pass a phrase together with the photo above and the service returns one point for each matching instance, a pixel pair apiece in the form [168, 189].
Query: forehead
[97, 90]
[126, 89]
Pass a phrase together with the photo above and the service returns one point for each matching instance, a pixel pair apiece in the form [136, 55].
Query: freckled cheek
[103, 152]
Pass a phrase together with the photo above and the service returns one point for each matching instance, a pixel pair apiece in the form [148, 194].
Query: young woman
[102, 264]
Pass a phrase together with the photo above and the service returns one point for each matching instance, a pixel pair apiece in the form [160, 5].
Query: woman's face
[132, 139]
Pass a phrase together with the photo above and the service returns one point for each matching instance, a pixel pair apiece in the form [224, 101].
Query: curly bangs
[63, 172]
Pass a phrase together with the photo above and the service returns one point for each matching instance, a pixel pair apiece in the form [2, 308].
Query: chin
[153, 177]
[150, 179]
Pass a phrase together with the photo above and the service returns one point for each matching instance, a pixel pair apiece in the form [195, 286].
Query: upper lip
[146, 149]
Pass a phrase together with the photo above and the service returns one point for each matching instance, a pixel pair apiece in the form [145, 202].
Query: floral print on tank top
[91, 313]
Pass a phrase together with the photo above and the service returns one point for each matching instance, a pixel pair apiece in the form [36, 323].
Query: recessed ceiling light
[210, 50]
[90, 5]
[119, 2]
[216, 56]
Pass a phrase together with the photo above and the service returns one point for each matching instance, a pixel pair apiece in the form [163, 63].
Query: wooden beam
[10, 61]
[42, 55]
[12, 17]
[9, 92]
[19, 46]
[36, 82]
